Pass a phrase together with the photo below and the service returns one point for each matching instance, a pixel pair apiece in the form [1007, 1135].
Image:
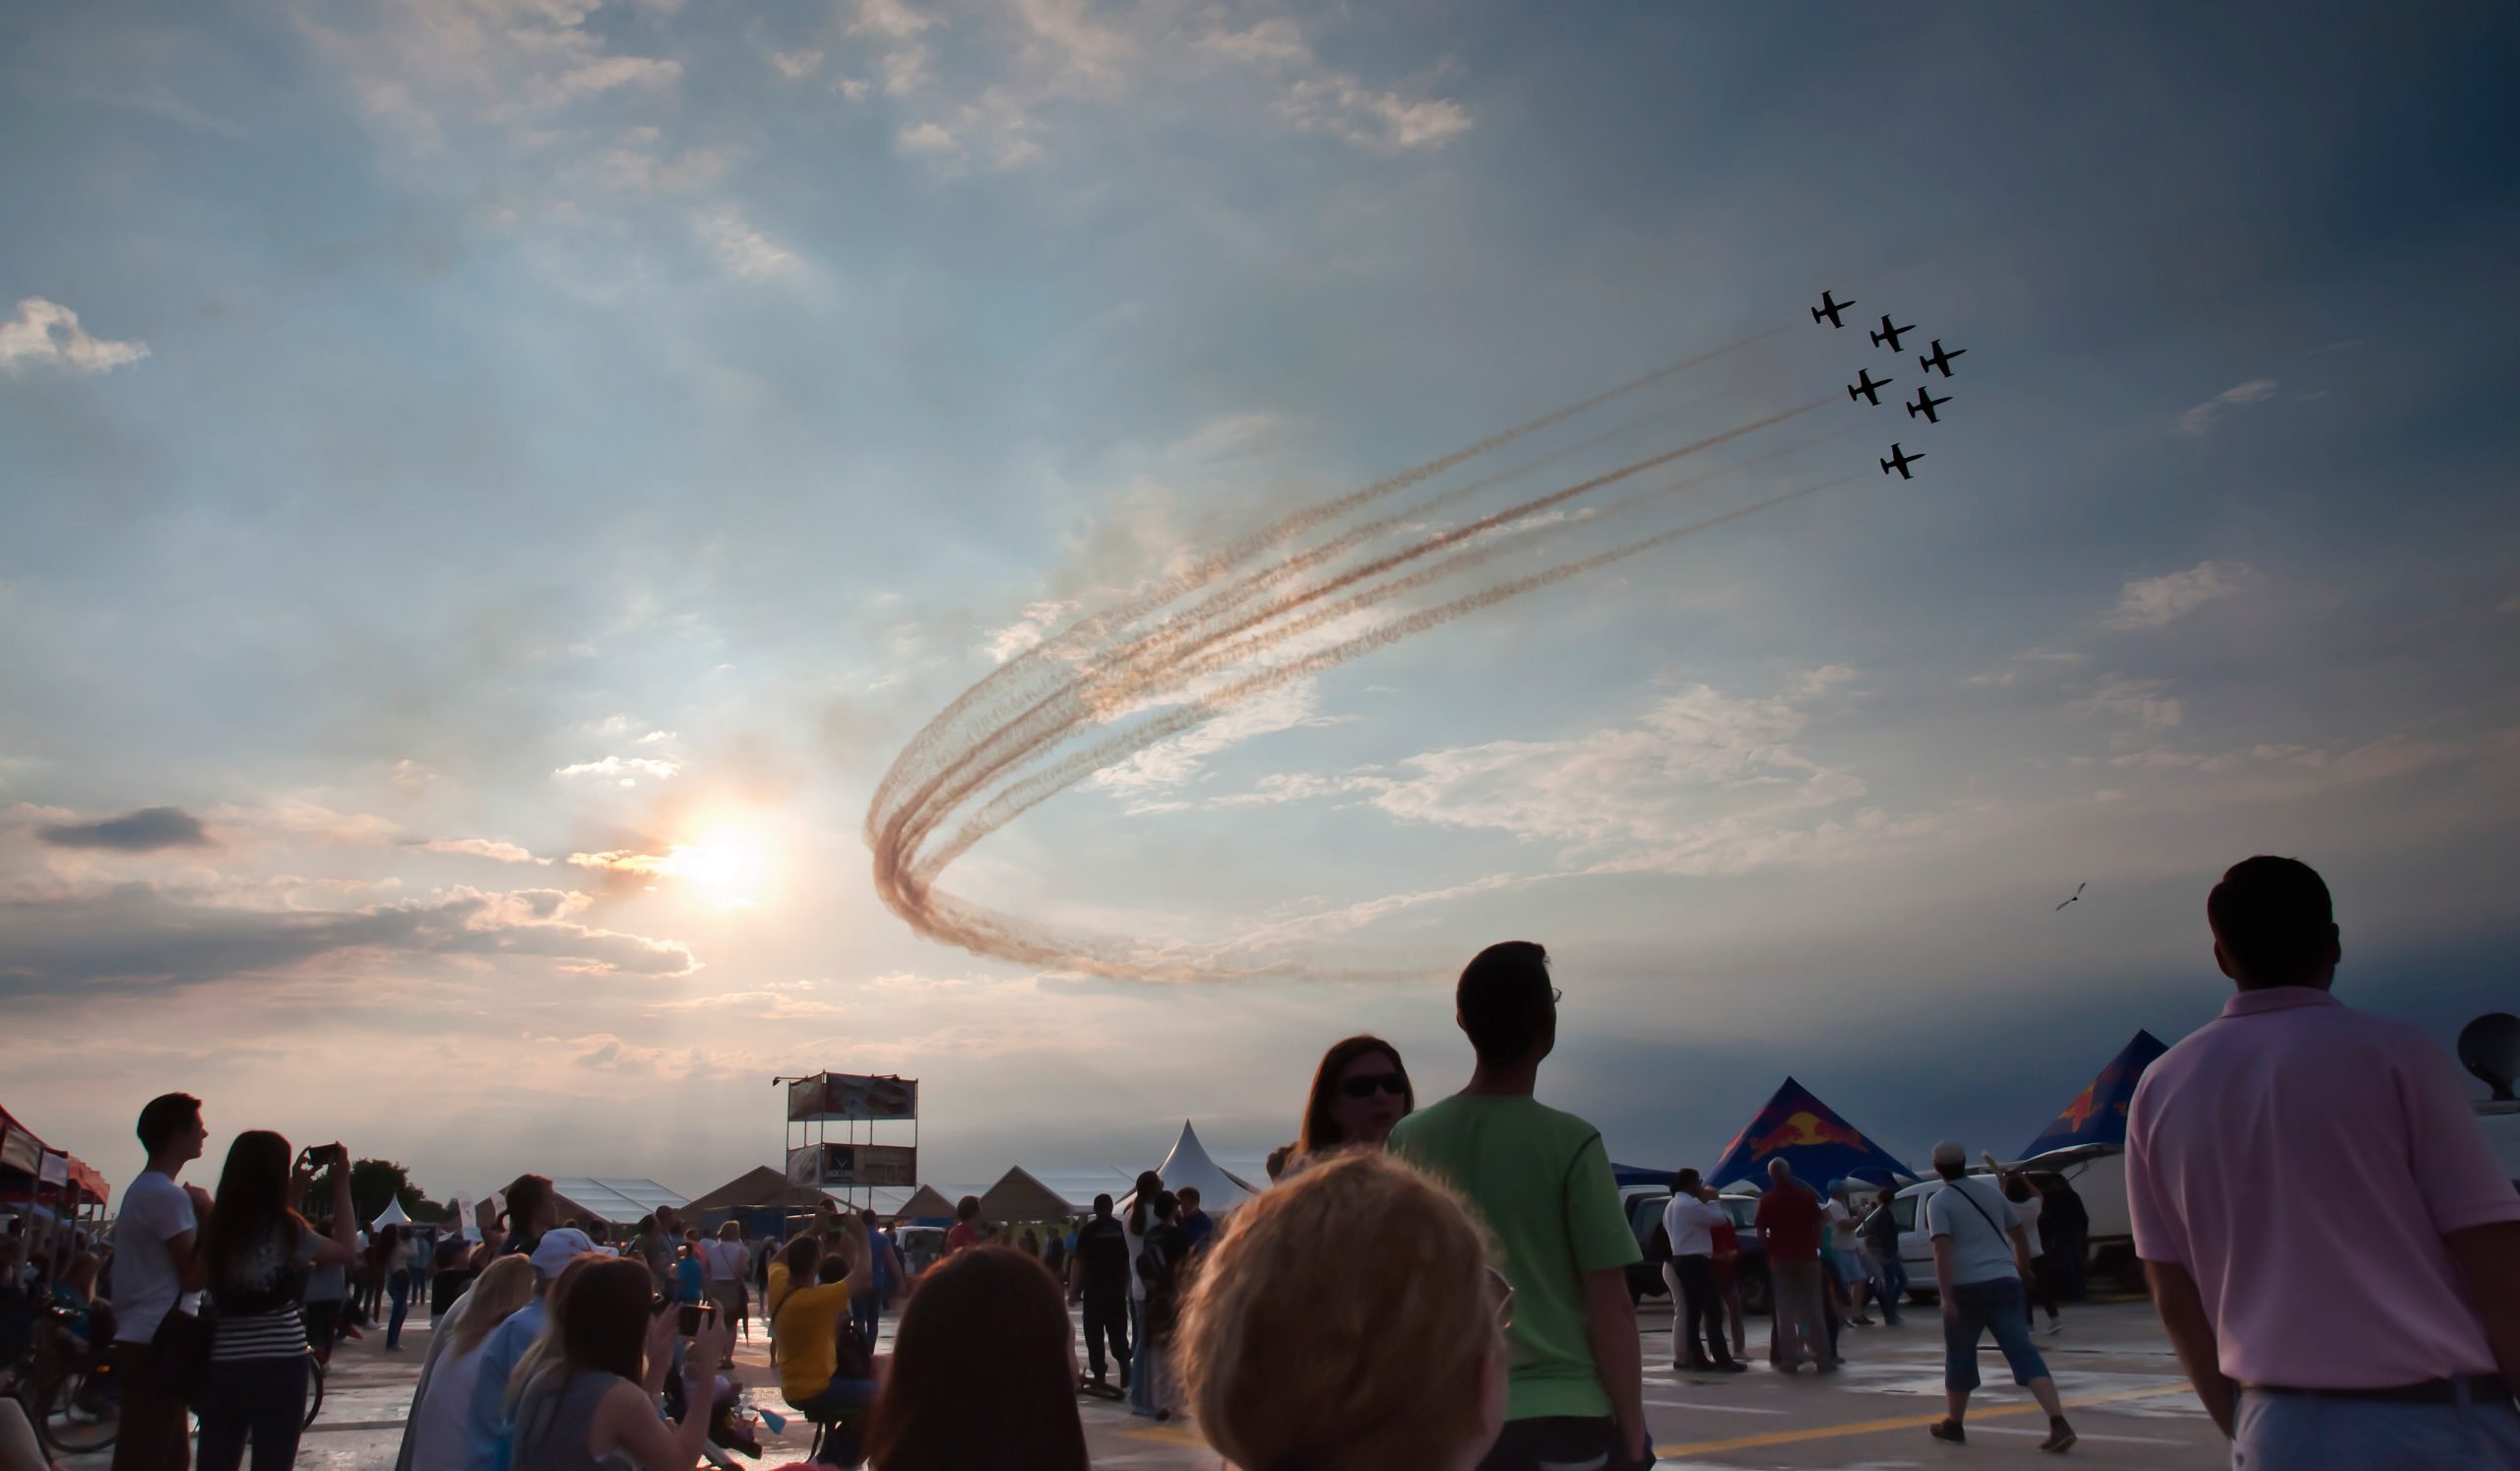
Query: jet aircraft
[1926, 404]
[1867, 387]
[1890, 334]
[1940, 358]
[1828, 310]
[1900, 460]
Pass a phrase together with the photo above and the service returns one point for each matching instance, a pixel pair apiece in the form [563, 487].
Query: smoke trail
[1121, 680]
[1031, 792]
[1085, 630]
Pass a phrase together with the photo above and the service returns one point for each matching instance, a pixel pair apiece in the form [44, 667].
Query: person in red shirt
[1790, 1223]
[1728, 1260]
[966, 1225]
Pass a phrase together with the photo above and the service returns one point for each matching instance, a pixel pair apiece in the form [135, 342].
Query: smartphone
[694, 1314]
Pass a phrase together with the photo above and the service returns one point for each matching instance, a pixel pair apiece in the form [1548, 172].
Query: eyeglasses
[1555, 995]
[1504, 1293]
[1394, 1083]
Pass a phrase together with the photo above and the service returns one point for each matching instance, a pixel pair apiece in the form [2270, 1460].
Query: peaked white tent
[1189, 1164]
[393, 1215]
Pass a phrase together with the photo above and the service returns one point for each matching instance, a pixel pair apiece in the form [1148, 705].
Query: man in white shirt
[1690, 1221]
[1979, 1262]
[156, 1287]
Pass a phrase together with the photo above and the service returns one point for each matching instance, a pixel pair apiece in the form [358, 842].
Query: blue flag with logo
[2097, 1114]
[1819, 1145]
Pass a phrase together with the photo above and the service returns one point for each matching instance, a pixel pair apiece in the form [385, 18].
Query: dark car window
[1904, 1211]
[1645, 1212]
[1744, 1213]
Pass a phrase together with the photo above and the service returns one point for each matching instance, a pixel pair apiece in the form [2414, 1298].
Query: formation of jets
[1869, 388]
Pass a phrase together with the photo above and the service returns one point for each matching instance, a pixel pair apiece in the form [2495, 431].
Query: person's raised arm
[2489, 1256]
[2020, 1234]
[2191, 1337]
[342, 1246]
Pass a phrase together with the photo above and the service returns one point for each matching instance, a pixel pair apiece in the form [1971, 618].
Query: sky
[491, 487]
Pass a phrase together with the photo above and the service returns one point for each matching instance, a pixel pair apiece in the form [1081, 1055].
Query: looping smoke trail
[1010, 741]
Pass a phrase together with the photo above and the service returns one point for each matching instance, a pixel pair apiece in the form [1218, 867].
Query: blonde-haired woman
[446, 1395]
[1349, 1321]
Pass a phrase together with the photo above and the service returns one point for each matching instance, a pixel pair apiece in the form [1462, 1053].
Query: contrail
[1010, 727]
[1125, 678]
[1234, 553]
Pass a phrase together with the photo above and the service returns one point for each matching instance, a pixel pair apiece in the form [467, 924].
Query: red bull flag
[2097, 1114]
[1809, 1135]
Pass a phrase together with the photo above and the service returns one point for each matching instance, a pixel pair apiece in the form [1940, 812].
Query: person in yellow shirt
[806, 1327]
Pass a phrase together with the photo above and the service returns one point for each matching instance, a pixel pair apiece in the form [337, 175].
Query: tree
[376, 1184]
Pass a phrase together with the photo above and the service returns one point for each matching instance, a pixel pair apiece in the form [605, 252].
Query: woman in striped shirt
[256, 1249]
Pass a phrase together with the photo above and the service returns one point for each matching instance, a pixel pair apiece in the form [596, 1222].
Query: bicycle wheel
[314, 1390]
[74, 1413]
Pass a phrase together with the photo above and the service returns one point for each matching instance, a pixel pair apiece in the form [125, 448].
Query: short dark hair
[1165, 1204]
[1687, 1180]
[1188, 1195]
[1102, 1204]
[967, 1209]
[2273, 917]
[162, 1116]
[1504, 998]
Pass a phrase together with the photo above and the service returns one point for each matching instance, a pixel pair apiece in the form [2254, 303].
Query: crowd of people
[1440, 1287]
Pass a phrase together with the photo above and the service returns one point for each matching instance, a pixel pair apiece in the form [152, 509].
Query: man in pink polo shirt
[2331, 1246]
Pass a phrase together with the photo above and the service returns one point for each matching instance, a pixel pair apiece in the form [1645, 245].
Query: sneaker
[1948, 1430]
[2055, 1325]
[2060, 1437]
[1861, 1322]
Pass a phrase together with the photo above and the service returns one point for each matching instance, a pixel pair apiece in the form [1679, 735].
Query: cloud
[2150, 602]
[2197, 421]
[147, 830]
[1319, 98]
[623, 860]
[1172, 763]
[925, 138]
[134, 934]
[894, 20]
[488, 848]
[625, 769]
[742, 249]
[797, 66]
[2142, 701]
[1027, 631]
[47, 333]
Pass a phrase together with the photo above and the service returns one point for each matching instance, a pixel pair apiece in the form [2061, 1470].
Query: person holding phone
[595, 1398]
[255, 1254]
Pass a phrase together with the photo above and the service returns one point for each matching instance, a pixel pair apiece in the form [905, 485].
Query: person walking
[885, 1259]
[1697, 1311]
[2068, 1222]
[1790, 1222]
[1099, 1278]
[1162, 1264]
[1540, 1180]
[396, 1262]
[2039, 1287]
[1846, 1251]
[1139, 1221]
[1980, 1259]
[2332, 1247]
[1879, 1230]
[155, 1274]
[254, 1255]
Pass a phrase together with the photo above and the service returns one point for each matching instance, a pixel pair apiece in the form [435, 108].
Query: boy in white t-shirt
[156, 1281]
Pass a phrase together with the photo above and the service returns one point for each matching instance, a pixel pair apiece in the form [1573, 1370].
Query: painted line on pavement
[1693, 1404]
[2080, 1434]
[1905, 1422]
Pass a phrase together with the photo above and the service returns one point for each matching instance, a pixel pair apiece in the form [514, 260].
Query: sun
[727, 866]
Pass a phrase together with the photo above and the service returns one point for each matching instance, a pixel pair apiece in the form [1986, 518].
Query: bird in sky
[2077, 894]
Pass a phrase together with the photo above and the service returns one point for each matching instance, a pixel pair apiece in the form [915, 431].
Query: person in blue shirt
[690, 1276]
[484, 1425]
[1196, 1225]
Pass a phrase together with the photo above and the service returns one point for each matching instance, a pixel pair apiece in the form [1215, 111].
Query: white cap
[558, 1247]
[1950, 1153]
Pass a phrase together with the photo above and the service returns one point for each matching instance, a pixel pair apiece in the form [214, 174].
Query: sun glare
[727, 866]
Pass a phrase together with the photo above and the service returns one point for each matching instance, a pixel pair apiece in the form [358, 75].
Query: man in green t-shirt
[1542, 1182]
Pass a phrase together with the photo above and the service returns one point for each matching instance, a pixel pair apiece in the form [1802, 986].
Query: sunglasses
[1394, 1083]
[1502, 1292]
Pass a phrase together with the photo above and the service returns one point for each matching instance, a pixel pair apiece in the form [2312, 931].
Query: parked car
[1644, 1205]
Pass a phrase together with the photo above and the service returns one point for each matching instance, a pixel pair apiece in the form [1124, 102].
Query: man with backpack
[1099, 1278]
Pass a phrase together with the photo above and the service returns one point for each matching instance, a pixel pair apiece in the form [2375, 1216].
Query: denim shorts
[1978, 1308]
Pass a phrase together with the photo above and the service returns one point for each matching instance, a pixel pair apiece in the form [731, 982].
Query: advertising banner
[840, 1097]
[851, 1166]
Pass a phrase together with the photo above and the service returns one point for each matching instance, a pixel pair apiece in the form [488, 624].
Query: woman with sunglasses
[1386, 1352]
[1359, 1092]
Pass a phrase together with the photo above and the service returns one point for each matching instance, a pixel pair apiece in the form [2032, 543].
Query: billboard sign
[838, 1167]
[846, 1097]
